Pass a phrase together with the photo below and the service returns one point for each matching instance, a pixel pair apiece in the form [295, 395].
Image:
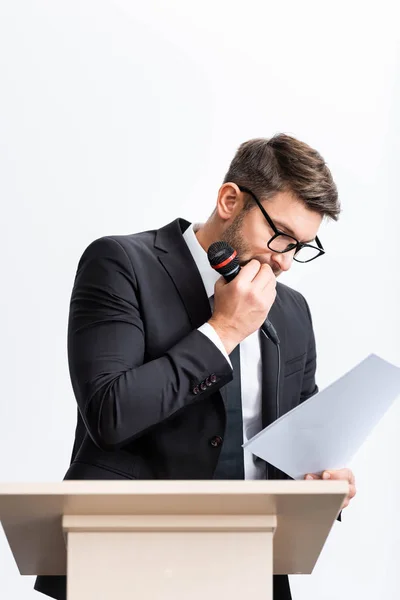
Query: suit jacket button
[213, 378]
[196, 390]
[216, 441]
[208, 382]
[203, 386]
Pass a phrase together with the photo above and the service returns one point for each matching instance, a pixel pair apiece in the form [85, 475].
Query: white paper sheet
[327, 430]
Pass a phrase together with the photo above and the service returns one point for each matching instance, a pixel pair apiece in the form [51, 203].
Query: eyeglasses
[282, 242]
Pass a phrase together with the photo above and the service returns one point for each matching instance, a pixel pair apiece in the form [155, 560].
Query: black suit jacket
[136, 359]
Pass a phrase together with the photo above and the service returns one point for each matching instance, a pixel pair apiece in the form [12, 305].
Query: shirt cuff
[209, 331]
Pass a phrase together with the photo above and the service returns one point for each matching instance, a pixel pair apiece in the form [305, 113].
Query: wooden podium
[161, 540]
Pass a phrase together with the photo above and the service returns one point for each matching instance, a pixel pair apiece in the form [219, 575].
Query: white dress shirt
[250, 359]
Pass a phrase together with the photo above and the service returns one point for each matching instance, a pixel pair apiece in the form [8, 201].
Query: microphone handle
[270, 332]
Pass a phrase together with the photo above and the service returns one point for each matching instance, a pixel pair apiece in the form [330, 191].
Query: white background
[119, 116]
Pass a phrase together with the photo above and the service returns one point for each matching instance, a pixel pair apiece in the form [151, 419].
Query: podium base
[158, 557]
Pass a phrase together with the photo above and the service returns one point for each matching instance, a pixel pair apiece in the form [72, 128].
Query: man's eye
[291, 246]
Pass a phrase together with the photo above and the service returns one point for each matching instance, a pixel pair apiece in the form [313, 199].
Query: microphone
[223, 258]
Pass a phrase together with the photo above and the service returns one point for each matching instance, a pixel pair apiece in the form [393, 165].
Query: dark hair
[283, 163]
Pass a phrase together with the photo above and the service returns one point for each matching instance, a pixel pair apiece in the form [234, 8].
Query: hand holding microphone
[242, 297]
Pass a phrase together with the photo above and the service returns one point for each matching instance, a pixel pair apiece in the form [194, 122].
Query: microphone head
[223, 258]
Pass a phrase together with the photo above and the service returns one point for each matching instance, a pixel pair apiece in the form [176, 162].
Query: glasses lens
[282, 243]
[307, 253]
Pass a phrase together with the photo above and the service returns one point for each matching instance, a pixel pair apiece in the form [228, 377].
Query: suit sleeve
[309, 387]
[119, 395]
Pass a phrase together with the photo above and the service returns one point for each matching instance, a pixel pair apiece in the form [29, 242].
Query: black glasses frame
[297, 246]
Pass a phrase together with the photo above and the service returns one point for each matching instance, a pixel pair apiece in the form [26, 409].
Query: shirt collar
[207, 273]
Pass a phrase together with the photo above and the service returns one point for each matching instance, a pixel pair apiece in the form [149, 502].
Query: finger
[249, 271]
[270, 282]
[350, 496]
[353, 491]
[342, 474]
[264, 280]
[311, 476]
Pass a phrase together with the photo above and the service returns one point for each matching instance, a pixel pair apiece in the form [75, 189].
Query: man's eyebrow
[287, 229]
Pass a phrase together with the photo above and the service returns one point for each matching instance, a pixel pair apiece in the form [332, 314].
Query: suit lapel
[177, 260]
[269, 362]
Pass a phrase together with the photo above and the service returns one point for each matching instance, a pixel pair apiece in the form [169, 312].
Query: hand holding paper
[325, 431]
[341, 475]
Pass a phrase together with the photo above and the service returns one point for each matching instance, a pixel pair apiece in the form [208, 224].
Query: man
[167, 363]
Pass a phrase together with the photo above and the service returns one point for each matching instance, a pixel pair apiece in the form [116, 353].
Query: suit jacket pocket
[294, 365]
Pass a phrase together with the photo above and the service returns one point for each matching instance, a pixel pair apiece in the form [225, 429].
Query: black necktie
[231, 463]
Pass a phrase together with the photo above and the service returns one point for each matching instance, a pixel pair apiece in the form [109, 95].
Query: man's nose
[284, 260]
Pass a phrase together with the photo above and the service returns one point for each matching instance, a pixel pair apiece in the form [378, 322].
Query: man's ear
[229, 201]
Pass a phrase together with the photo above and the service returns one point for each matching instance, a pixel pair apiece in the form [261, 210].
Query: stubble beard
[234, 237]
